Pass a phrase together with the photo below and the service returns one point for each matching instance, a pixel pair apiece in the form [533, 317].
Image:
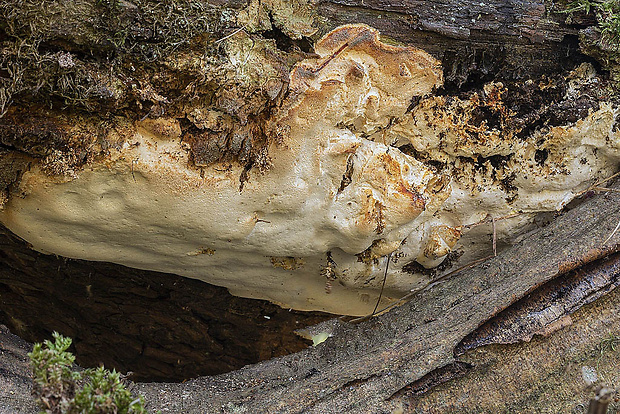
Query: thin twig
[362, 318]
[614, 190]
[415, 292]
[230, 35]
[612, 233]
[494, 238]
[489, 219]
[387, 265]
[598, 183]
[331, 57]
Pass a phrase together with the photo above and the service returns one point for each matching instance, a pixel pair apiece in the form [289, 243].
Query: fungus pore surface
[363, 162]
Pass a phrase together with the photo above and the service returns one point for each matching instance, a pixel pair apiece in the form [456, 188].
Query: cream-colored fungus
[353, 178]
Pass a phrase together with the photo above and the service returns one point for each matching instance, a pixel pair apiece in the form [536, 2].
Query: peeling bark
[549, 307]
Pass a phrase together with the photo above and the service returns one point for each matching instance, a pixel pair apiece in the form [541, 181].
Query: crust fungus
[356, 178]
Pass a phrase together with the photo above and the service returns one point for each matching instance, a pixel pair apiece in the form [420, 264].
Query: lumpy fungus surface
[364, 162]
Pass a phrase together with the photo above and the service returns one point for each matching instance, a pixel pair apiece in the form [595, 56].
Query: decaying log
[76, 80]
[362, 366]
[260, 168]
[391, 363]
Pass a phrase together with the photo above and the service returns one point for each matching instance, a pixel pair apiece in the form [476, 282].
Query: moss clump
[607, 14]
[57, 386]
[92, 62]
[83, 53]
[602, 42]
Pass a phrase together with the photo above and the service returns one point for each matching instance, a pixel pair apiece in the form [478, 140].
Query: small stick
[374, 311]
[331, 57]
[230, 35]
[615, 190]
[598, 183]
[387, 265]
[612, 233]
[486, 220]
[494, 238]
[411, 294]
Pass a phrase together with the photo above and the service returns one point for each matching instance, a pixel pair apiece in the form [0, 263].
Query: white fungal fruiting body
[337, 183]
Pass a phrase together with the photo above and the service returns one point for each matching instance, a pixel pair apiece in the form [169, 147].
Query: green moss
[602, 42]
[609, 21]
[83, 53]
[607, 15]
[58, 388]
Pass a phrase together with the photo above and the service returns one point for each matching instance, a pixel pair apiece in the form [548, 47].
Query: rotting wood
[548, 305]
[472, 50]
[120, 69]
[362, 366]
[476, 40]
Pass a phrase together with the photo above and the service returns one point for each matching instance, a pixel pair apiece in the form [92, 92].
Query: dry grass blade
[230, 35]
[613, 190]
[597, 184]
[494, 238]
[612, 233]
[490, 219]
[411, 294]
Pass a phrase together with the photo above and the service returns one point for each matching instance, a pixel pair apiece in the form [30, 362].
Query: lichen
[294, 18]
[81, 54]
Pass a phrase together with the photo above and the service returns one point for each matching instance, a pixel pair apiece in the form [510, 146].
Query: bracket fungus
[364, 163]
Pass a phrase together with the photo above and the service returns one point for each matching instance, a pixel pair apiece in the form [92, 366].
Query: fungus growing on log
[362, 162]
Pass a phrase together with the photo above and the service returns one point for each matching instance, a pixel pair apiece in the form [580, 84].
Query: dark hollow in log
[158, 326]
